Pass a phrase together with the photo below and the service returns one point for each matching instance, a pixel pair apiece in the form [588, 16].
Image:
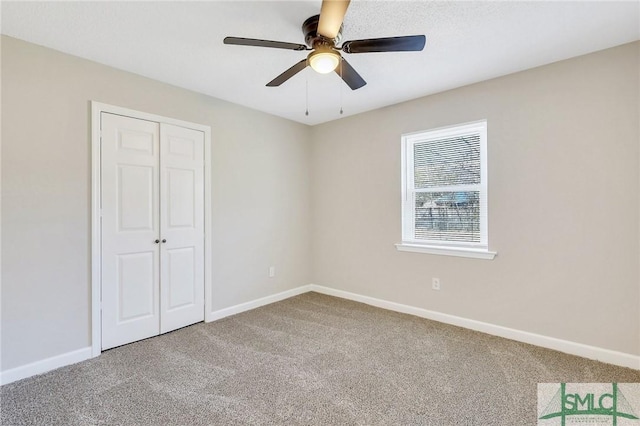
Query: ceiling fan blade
[350, 75]
[390, 44]
[331, 17]
[288, 73]
[263, 43]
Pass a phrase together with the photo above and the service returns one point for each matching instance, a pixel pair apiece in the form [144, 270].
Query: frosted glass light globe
[324, 61]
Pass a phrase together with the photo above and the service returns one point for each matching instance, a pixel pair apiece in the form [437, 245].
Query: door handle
[156, 241]
[164, 240]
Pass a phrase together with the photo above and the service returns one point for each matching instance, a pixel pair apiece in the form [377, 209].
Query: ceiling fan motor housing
[311, 36]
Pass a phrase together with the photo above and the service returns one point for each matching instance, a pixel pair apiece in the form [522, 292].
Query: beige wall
[563, 144]
[322, 204]
[260, 194]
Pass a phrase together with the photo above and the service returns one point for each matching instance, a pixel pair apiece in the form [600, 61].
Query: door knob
[164, 240]
[157, 241]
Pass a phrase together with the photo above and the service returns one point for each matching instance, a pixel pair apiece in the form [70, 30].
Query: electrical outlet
[435, 283]
[272, 271]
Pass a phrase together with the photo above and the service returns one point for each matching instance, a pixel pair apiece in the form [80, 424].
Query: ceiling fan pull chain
[340, 83]
[306, 112]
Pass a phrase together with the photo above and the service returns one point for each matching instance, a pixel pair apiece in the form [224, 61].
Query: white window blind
[445, 187]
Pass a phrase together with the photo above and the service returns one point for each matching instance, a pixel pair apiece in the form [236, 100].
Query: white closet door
[130, 219]
[181, 227]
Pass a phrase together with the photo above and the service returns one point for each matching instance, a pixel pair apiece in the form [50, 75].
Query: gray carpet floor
[308, 360]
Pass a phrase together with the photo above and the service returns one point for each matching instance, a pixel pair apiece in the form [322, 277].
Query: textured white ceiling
[181, 43]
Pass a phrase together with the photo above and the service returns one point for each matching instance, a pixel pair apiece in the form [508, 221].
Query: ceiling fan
[321, 34]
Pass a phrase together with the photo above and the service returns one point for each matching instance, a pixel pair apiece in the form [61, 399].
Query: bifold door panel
[182, 224]
[152, 227]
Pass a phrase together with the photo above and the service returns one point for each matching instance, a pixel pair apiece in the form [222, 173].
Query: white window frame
[409, 242]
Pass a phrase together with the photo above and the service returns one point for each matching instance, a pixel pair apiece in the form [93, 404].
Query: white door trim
[96, 239]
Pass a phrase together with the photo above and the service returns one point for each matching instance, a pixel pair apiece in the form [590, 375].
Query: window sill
[447, 251]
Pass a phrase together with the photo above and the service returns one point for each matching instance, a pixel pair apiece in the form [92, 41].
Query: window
[444, 185]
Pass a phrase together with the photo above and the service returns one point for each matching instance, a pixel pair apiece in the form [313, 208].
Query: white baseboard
[573, 348]
[73, 357]
[44, 365]
[247, 306]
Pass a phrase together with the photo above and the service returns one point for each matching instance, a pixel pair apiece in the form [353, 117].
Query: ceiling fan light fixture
[321, 33]
[324, 61]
